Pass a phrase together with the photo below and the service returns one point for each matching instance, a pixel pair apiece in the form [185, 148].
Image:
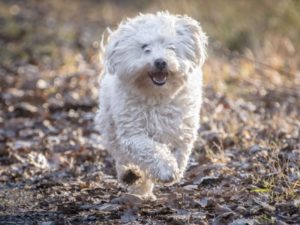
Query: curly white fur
[149, 117]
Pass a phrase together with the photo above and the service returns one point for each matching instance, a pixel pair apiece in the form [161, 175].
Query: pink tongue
[159, 76]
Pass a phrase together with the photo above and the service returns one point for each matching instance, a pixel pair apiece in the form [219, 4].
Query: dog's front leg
[182, 155]
[183, 149]
[152, 157]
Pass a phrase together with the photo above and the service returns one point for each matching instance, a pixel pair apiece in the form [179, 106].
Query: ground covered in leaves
[53, 169]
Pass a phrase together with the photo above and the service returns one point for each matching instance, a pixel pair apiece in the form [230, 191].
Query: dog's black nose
[160, 64]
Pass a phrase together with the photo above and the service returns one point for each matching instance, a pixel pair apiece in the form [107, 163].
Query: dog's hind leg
[128, 174]
[132, 177]
[143, 188]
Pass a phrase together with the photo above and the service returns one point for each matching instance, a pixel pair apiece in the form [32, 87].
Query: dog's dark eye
[145, 48]
[172, 48]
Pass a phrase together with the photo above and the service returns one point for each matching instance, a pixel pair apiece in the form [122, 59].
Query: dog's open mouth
[159, 78]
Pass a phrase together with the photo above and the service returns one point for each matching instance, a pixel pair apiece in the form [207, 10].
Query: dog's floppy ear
[192, 39]
[107, 50]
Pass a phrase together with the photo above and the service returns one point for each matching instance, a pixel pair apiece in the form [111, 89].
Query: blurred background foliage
[236, 25]
[62, 36]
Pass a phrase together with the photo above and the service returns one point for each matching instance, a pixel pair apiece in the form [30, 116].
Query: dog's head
[155, 51]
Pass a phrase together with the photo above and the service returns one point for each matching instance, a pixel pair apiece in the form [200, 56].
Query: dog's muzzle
[159, 76]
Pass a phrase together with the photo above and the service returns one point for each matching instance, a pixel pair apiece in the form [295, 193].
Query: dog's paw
[150, 197]
[167, 173]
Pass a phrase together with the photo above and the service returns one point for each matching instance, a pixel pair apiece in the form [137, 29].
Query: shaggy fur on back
[150, 98]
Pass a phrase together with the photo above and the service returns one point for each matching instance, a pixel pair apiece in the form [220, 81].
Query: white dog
[150, 98]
